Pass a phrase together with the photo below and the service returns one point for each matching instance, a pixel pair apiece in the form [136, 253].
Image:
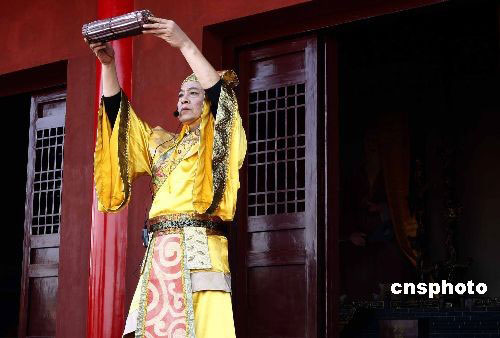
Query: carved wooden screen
[275, 270]
[276, 150]
[42, 216]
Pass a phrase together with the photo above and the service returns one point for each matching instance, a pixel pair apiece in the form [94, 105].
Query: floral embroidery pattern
[171, 158]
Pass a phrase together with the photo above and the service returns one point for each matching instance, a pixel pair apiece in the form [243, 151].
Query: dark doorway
[34, 104]
[423, 85]
[423, 79]
[15, 139]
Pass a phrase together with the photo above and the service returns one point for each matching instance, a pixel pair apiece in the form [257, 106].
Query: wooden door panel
[284, 62]
[37, 317]
[276, 222]
[292, 240]
[277, 235]
[276, 248]
[42, 306]
[277, 314]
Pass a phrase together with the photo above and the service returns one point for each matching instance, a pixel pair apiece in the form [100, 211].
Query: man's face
[190, 103]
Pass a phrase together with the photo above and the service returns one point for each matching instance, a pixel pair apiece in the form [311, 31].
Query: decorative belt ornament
[194, 229]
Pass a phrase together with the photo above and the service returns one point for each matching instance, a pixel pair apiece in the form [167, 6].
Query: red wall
[77, 200]
[36, 32]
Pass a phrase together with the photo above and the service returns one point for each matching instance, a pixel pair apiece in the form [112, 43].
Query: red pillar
[106, 312]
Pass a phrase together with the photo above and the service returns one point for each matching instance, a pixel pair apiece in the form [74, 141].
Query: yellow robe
[192, 173]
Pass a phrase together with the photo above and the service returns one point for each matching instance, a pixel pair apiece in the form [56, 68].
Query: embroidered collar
[196, 131]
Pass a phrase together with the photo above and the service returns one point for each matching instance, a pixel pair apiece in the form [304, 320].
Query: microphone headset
[176, 113]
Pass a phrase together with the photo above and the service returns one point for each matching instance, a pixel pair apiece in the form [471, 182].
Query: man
[184, 288]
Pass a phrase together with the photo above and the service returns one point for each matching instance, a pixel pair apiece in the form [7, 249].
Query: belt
[196, 242]
[212, 224]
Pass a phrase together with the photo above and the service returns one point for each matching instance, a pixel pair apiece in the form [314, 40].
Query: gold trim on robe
[221, 152]
[121, 154]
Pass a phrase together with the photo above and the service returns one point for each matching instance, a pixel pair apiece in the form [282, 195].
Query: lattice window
[276, 151]
[48, 171]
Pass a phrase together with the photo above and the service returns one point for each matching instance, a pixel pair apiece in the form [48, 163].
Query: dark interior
[438, 67]
[15, 136]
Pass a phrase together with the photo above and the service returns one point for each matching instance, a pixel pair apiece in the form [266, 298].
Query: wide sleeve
[121, 154]
[221, 153]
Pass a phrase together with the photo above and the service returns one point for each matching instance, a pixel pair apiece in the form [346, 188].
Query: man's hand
[168, 31]
[103, 51]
